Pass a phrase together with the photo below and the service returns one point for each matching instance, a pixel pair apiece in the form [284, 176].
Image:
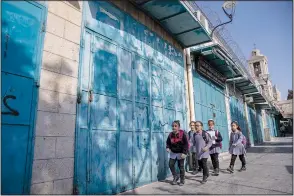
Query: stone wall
[53, 165]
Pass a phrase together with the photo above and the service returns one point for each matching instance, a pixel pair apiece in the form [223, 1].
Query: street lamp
[229, 9]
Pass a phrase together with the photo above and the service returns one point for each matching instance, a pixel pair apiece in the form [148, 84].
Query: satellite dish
[229, 5]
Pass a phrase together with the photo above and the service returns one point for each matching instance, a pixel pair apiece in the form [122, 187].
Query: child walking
[202, 142]
[236, 147]
[177, 146]
[215, 148]
[192, 157]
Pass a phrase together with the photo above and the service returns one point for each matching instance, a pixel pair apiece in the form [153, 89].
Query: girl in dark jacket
[177, 147]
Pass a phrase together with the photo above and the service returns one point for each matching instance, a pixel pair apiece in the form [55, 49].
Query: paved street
[269, 171]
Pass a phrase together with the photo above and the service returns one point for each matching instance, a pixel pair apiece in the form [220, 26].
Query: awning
[221, 60]
[218, 58]
[177, 18]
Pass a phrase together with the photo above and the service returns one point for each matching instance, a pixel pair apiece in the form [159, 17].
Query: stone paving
[269, 171]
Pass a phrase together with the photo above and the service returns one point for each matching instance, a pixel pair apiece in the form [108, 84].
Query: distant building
[276, 93]
[286, 108]
[258, 68]
[290, 94]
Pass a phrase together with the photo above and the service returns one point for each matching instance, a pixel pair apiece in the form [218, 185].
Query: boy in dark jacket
[177, 146]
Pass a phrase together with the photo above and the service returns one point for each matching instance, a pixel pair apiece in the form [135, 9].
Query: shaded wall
[136, 81]
[55, 129]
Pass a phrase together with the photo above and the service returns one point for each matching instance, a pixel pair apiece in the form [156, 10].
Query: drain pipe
[187, 105]
[190, 84]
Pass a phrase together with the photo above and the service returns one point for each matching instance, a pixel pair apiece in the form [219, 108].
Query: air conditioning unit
[249, 99]
[201, 18]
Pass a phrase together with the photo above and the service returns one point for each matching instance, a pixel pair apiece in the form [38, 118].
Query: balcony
[178, 18]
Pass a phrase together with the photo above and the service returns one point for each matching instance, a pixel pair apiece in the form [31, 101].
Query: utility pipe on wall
[228, 110]
[190, 84]
[186, 90]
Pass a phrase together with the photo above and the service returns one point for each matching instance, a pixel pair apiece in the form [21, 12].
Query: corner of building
[53, 165]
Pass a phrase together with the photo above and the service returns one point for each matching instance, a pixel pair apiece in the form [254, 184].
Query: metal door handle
[37, 84]
[79, 98]
[165, 123]
[90, 96]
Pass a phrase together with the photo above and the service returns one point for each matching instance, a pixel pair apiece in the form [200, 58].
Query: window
[257, 69]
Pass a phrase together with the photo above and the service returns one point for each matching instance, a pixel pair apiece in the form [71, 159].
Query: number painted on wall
[11, 111]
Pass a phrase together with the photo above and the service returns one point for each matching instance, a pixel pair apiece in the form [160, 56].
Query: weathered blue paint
[255, 123]
[136, 80]
[277, 126]
[268, 123]
[22, 40]
[238, 114]
[271, 124]
[260, 126]
[251, 124]
[210, 104]
[274, 126]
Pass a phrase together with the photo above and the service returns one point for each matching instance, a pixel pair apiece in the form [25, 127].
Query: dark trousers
[194, 161]
[191, 161]
[241, 157]
[214, 160]
[172, 168]
[203, 165]
[200, 165]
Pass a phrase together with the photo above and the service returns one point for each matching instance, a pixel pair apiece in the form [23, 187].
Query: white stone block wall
[53, 166]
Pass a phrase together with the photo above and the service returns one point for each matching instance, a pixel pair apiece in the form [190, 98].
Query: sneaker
[215, 172]
[243, 168]
[175, 180]
[230, 169]
[199, 169]
[182, 182]
[194, 172]
[204, 179]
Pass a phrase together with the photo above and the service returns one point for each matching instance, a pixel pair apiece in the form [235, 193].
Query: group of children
[198, 145]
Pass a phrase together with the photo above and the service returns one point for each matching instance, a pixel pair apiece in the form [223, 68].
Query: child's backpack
[189, 135]
[220, 143]
[244, 140]
[204, 136]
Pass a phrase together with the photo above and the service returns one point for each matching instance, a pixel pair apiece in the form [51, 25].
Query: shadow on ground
[289, 169]
[274, 144]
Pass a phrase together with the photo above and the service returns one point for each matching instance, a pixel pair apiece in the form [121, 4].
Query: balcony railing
[222, 36]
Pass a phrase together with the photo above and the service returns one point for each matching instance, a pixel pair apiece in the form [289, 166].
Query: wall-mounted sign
[209, 72]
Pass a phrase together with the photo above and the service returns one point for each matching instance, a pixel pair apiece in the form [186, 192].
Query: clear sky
[268, 24]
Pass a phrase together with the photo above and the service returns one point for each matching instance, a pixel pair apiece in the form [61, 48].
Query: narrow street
[269, 171]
